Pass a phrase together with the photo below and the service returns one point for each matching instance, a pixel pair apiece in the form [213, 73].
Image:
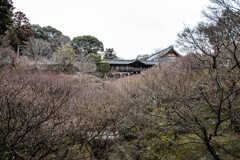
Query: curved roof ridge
[162, 53]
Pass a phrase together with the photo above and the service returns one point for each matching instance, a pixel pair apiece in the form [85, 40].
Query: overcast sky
[131, 27]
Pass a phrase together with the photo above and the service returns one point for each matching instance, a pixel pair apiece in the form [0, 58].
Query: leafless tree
[83, 64]
[38, 48]
[7, 54]
[196, 100]
[218, 39]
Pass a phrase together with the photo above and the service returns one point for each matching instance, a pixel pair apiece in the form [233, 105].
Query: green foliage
[4, 156]
[103, 67]
[164, 146]
[86, 44]
[64, 56]
[96, 58]
[6, 13]
[128, 132]
[45, 33]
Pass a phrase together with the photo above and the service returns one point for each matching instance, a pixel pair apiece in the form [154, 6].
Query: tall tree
[86, 44]
[21, 31]
[6, 13]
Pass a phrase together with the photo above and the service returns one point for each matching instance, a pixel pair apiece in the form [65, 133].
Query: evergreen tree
[21, 31]
[6, 13]
[86, 44]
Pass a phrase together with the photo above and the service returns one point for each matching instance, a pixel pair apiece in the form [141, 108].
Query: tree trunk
[212, 151]
[18, 48]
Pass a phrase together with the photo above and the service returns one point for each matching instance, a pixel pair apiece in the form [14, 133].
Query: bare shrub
[45, 115]
[7, 54]
[31, 115]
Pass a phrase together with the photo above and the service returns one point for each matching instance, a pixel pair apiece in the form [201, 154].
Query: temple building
[132, 66]
[127, 67]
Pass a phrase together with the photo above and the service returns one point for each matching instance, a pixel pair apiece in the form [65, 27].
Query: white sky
[131, 27]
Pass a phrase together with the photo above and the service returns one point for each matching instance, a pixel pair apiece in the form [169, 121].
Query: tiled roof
[111, 61]
[127, 62]
[149, 62]
[162, 53]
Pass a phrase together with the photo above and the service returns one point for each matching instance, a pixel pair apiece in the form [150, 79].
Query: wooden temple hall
[120, 68]
[131, 66]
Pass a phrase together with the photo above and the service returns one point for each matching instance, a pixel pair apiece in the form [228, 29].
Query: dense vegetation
[54, 106]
